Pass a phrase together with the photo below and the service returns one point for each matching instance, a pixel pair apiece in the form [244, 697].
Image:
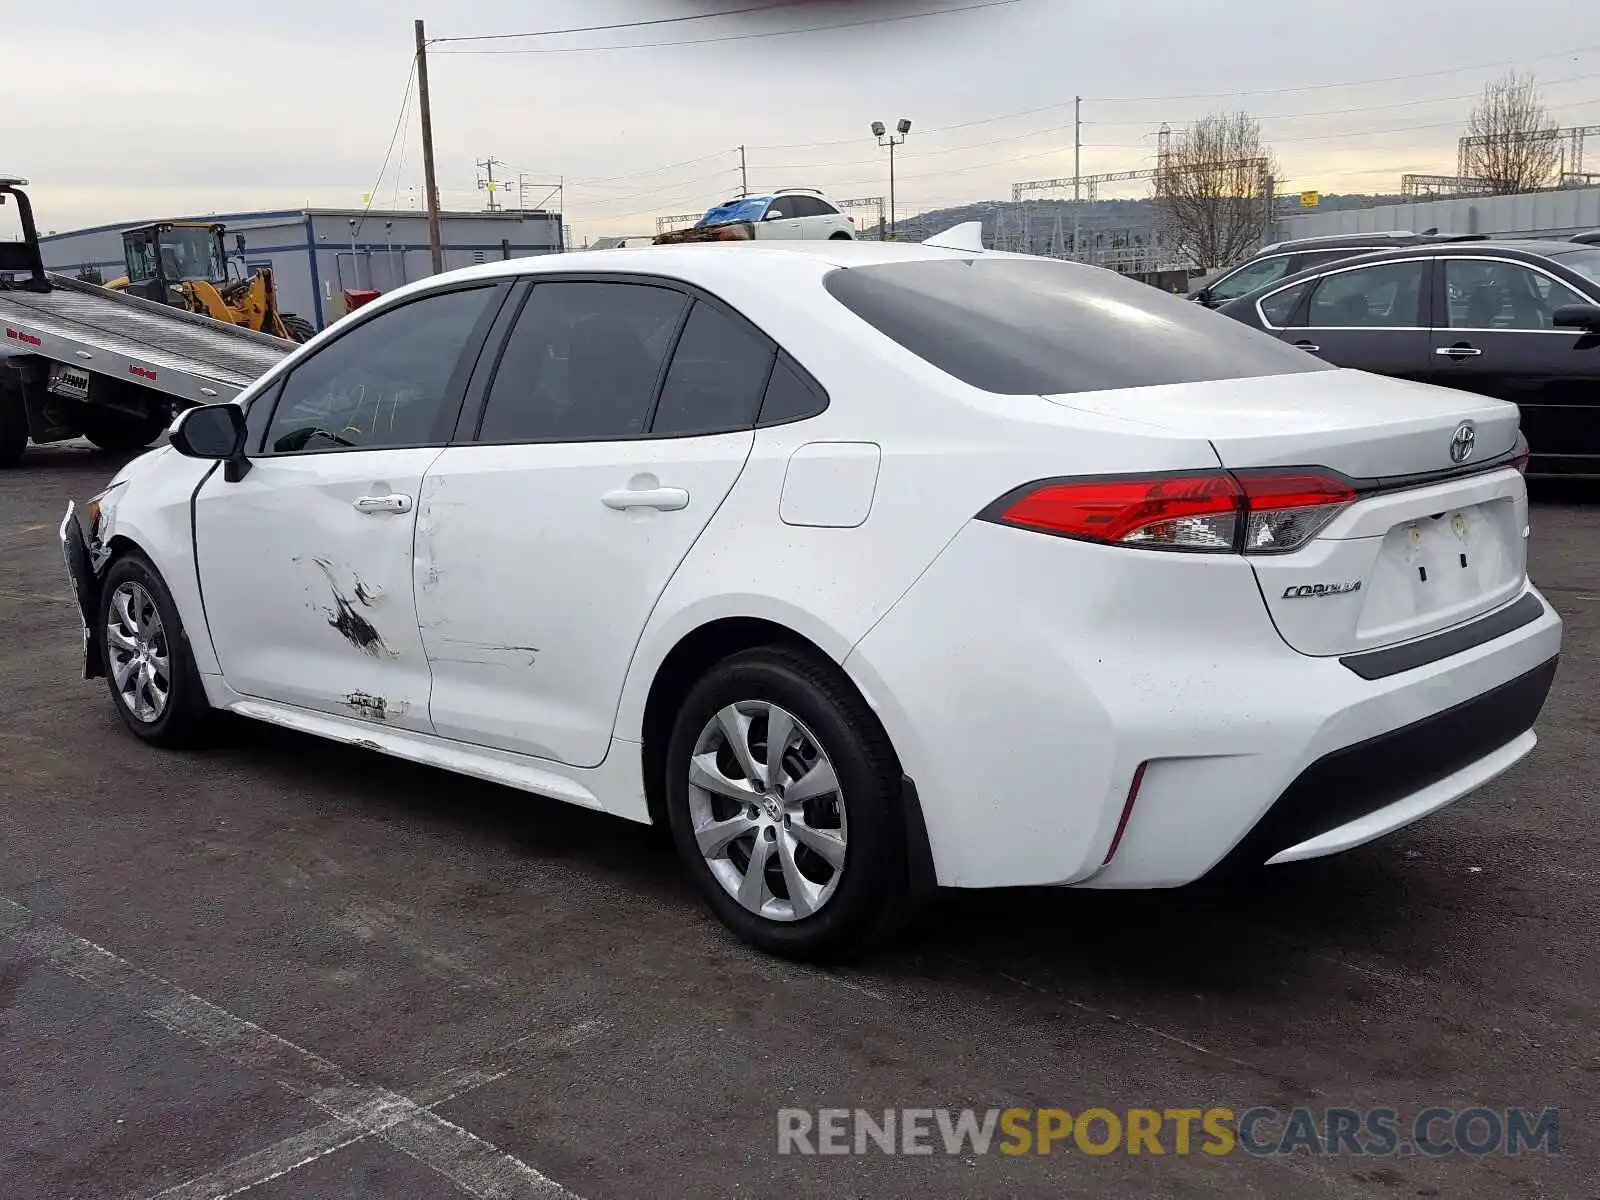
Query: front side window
[140, 258]
[582, 363]
[718, 373]
[1279, 307]
[383, 384]
[1484, 294]
[1250, 277]
[783, 206]
[1383, 296]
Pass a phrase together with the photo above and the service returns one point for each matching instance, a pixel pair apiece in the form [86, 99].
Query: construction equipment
[183, 263]
[81, 360]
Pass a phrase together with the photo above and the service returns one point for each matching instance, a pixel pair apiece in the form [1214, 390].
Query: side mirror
[1577, 316]
[214, 431]
[772, 214]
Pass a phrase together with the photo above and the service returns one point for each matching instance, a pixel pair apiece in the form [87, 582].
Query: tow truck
[81, 360]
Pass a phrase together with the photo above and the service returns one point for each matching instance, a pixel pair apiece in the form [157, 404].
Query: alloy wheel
[767, 811]
[137, 652]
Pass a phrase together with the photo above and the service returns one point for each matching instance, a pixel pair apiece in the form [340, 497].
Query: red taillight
[1266, 512]
[1189, 512]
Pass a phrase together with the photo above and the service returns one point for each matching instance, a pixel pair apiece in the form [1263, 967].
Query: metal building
[1558, 213]
[318, 253]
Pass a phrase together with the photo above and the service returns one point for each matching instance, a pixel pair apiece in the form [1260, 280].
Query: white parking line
[294, 1152]
[475, 1166]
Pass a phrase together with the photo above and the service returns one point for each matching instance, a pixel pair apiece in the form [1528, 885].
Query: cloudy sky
[119, 111]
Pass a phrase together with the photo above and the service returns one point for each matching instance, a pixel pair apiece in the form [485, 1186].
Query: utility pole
[1077, 168]
[435, 241]
[489, 164]
[744, 176]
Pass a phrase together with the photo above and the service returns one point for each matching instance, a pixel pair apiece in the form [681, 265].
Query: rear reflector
[1218, 512]
[1127, 811]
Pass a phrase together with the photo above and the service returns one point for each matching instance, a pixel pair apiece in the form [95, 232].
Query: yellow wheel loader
[183, 263]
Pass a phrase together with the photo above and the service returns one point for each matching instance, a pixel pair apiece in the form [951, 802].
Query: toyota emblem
[1461, 445]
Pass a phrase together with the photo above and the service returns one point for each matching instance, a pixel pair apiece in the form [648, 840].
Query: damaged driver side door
[306, 562]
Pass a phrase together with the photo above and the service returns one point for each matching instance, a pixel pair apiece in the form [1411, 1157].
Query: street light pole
[891, 140]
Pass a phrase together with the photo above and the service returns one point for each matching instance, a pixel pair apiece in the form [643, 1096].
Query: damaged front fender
[85, 587]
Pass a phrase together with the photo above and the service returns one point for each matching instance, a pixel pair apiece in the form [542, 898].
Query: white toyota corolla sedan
[864, 568]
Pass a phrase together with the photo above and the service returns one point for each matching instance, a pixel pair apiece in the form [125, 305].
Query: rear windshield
[751, 208]
[1035, 326]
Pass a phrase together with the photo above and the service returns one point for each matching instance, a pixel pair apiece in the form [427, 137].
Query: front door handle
[663, 498]
[1459, 350]
[1308, 347]
[395, 503]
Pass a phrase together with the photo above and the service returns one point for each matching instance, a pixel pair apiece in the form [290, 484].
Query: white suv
[786, 214]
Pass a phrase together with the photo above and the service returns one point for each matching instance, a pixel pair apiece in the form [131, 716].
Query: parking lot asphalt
[293, 969]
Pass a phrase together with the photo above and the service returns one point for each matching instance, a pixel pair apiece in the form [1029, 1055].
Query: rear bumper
[1027, 682]
[1363, 791]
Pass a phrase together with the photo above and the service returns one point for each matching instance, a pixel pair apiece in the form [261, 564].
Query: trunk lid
[1407, 558]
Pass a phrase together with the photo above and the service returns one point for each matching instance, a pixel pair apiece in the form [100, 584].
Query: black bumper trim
[85, 587]
[1380, 664]
[1356, 780]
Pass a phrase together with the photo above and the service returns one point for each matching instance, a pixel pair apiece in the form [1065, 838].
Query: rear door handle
[663, 498]
[394, 503]
[1458, 351]
[1308, 347]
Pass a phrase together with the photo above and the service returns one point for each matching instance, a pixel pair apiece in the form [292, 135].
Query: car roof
[705, 263]
[1531, 249]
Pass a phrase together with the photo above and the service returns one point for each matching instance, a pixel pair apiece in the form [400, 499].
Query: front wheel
[148, 665]
[298, 328]
[783, 794]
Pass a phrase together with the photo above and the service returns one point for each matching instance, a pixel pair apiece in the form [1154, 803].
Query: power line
[405, 101]
[1319, 87]
[727, 12]
[745, 37]
[688, 162]
[1336, 112]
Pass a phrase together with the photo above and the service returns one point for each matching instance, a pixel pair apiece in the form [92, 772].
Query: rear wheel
[299, 329]
[783, 794]
[116, 430]
[149, 668]
[13, 425]
[841, 236]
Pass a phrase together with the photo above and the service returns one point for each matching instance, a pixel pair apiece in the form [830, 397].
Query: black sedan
[1518, 320]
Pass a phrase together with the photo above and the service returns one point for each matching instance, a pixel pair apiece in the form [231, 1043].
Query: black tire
[299, 329]
[13, 426]
[186, 715]
[119, 432]
[841, 236]
[872, 895]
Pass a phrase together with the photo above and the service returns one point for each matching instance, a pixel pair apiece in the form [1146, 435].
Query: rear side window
[790, 395]
[582, 363]
[1021, 326]
[718, 373]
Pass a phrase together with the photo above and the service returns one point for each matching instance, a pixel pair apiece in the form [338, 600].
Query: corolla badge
[1309, 591]
[1463, 442]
